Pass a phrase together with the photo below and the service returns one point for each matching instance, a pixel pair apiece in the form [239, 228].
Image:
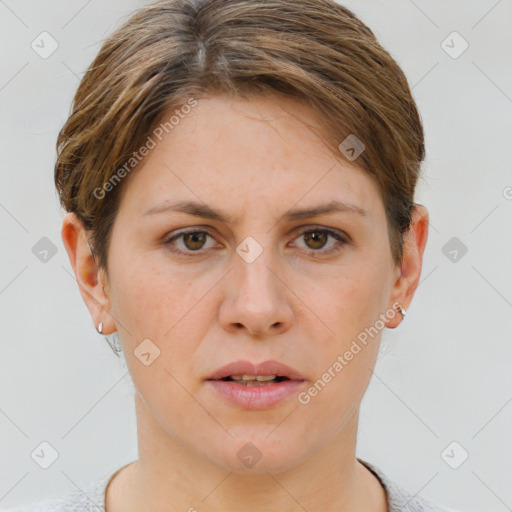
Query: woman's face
[258, 286]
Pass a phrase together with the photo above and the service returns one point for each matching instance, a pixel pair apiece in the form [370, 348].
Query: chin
[259, 453]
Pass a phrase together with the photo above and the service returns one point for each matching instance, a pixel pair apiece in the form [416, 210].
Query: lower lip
[257, 397]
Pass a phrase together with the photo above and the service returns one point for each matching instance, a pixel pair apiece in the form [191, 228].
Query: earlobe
[409, 271]
[87, 273]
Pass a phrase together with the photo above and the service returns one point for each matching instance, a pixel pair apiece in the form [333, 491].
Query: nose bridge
[256, 298]
[252, 268]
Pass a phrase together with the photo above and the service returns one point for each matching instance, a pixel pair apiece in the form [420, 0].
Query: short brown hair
[173, 50]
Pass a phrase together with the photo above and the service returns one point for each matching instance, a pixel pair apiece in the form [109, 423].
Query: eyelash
[311, 252]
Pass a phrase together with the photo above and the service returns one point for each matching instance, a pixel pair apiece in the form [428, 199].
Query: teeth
[260, 378]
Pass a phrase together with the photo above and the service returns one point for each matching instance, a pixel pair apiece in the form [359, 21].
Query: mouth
[254, 380]
[246, 373]
[256, 386]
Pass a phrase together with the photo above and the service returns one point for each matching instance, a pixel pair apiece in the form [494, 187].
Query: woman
[239, 178]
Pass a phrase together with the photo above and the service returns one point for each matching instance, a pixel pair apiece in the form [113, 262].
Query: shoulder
[89, 499]
[399, 499]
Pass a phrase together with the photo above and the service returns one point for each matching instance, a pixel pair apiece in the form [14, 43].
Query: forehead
[245, 152]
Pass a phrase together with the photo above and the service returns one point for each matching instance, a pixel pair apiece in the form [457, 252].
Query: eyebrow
[204, 211]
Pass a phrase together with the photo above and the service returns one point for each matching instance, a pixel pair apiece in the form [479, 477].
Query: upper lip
[269, 367]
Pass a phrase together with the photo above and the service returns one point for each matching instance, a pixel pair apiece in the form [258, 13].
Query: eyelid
[318, 227]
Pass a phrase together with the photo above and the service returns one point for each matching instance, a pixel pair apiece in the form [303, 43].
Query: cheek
[343, 361]
[350, 301]
[166, 309]
[349, 307]
[147, 299]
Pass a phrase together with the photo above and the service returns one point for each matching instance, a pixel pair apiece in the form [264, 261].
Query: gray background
[443, 376]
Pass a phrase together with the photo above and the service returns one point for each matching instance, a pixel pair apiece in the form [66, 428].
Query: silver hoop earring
[114, 344]
[402, 311]
[100, 328]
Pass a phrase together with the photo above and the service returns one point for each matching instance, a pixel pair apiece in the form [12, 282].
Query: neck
[171, 477]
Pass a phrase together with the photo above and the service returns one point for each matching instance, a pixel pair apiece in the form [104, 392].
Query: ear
[409, 271]
[91, 280]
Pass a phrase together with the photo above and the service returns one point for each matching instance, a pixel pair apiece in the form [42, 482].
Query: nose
[256, 298]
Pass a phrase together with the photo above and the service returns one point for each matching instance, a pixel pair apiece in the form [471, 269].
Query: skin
[254, 160]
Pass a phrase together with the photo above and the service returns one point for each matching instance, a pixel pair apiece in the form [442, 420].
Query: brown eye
[191, 242]
[195, 240]
[316, 239]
